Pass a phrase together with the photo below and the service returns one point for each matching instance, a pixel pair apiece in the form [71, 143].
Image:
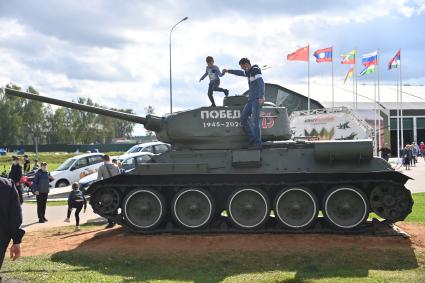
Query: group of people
[410, 154]
[255, 99]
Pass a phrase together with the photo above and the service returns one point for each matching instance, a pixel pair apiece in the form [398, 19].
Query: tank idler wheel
[248, 208]
[296, 207]
[391, 201]
[345, 207]
[106, 200]
[144, 209]
[193, 208]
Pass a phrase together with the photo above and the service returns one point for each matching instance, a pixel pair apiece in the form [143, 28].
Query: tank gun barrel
[92, 109]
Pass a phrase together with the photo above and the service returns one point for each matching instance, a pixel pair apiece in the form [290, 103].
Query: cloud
[117, 52]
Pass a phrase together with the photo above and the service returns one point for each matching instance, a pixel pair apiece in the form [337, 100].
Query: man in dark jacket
[41, 188]
[255, 100]
[10, 220]
[16, 174]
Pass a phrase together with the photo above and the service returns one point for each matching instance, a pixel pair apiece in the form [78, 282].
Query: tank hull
[338, 181]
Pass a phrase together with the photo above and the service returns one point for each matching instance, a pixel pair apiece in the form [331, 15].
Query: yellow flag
[349, 74]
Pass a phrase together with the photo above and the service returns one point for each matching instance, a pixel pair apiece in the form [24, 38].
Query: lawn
[344, 263]
[338, 265]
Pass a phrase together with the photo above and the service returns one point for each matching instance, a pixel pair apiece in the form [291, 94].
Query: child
[213, 72]
[77, 200]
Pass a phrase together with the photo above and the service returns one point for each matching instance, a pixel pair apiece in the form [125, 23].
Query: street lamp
[171, 82]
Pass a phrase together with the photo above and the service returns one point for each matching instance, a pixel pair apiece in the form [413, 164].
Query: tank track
[271, 184]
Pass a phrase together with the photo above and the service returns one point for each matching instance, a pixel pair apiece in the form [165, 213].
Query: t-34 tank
[211, 182]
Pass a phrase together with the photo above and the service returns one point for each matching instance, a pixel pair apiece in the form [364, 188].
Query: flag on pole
[349, 58]
[299, 55]
[349, 74]
[323, 55]
[395, 62]
[370, 59]
[368, 70]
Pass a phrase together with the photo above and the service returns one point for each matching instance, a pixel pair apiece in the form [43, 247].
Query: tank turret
[201, 128]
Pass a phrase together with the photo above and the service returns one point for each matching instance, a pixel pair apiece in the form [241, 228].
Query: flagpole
[374, 120]
[355, 75]
[398, 122]
[354, 97]
[401, 105]
[379, 101]
[308, 79]
[333, 97]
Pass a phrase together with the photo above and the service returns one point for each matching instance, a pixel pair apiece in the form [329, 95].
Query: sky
[117, 52]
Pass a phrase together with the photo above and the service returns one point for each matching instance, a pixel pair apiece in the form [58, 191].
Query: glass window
[65, 166]
[161, 148]
[143, 159]
[82, 162]
[147, 149]
[95, 159]
[128, 164]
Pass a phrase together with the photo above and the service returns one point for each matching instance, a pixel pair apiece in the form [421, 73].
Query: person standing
[27, 164]
[255, 100]
[77, 200]
[10, 220]
[422, 149]
[16, 175]
[214, 74]
[105, 171]
[41, 189]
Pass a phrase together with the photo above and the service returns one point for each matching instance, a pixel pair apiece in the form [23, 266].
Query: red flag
[299, 55]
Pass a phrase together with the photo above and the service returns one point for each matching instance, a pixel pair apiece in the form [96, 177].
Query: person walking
[255, 100]
[77, 200]
[214, 74]
[422, 149]
[41, 188]
[10, 220]
[105, 171]
[15, 175]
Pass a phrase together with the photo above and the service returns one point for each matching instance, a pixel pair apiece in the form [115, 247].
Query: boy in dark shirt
[16, 175]
[214, 74]
[77, 200]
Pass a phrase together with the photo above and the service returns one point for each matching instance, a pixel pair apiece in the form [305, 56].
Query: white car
[69, 171]
[128, 163]
[152, 147]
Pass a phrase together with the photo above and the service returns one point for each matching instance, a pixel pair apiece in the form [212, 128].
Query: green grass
[53, 159]
[337, 265]
[418, 213]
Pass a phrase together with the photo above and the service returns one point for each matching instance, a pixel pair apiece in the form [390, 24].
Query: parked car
[128, 163]
[152, 147]
[69, 171]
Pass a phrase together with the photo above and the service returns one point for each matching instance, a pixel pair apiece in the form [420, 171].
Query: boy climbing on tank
[214, 74]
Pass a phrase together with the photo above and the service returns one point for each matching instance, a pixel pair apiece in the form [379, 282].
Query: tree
[34, 115]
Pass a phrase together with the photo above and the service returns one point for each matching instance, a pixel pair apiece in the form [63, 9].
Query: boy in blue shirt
[214, 74]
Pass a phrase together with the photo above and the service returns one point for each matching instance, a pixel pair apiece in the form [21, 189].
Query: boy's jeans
[252, 130]
[213, 86]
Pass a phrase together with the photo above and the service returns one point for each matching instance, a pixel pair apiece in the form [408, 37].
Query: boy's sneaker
[226, 92]
[66, 220]
[77, 229]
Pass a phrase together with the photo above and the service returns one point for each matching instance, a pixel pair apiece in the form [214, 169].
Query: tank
[211, 181]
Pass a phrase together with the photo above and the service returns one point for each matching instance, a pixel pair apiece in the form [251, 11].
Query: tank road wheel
[391, 201]
[193, 208]
[296, 207]
[106, 200]
[345, 207]
[248, 208]
[144, 209]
